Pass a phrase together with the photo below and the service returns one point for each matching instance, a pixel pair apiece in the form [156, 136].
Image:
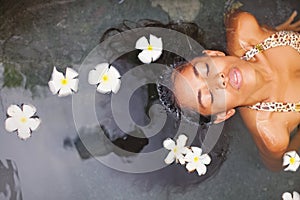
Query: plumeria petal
[185, 150]
[96, 74]
[201, 169]
[293, 167]
[205, 159]
[286, 160]
[56, 75]
[74, 85]
[71, 73]
[28, 110]
[54, 83]
[155, 55]
[197, 150]
[24, 132]
[190, 167]
[181, 141]
[14, 110]
[64, 91]
[105, 88]
[181, 159]
[113, 73]
[287, 196]
[296, 195]
[189, 156]
[169, 144]
[145, 56]
[54, 86]
[170, 158]
[116, 86]
[10, 124]
[34, 123]
[142, 43]
[156, 42]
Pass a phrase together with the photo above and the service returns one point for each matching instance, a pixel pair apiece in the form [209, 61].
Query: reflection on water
[99, 145]
[10, 188]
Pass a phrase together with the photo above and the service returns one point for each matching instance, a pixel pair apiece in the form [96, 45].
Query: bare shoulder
[268, 131]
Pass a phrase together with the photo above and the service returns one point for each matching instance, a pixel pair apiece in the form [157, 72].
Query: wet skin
[218, 84]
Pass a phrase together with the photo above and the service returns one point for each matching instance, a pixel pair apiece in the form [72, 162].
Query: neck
[263, 80]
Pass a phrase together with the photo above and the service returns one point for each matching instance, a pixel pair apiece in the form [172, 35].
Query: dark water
[56, 163]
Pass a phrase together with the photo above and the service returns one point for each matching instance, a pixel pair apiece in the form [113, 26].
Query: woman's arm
[288, 25]
[243, 31]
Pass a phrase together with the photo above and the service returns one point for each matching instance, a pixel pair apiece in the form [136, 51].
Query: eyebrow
[195, 71]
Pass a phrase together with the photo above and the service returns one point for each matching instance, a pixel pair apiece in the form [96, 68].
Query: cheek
[222, 100]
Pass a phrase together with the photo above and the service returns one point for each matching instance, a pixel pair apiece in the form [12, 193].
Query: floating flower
[288, 196]
[292, 160]
[106, 77]
[151, 51]
[22, 120]
[196, 161]
[177, 150]
[63, 85]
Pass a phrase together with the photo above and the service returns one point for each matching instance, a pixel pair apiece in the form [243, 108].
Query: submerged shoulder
[269, 133]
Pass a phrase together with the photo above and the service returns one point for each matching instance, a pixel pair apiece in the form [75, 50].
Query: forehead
[186, 87]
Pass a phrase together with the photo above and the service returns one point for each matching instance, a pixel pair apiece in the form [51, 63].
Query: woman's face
[212, 85]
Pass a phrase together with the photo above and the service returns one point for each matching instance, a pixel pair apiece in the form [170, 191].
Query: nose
[222, 80]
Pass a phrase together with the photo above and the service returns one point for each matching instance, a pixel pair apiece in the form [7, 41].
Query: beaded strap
[276, 107]
[280, 38]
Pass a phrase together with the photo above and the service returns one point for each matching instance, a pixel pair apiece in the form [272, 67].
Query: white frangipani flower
[151, 50]
[292, 160]
[22, 120]
[288, 196]
[196, 161]
[106, 77]
[63, 85]
[177, 150]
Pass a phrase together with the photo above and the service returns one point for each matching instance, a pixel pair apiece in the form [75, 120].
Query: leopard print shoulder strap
[280, 38]
[276, 107]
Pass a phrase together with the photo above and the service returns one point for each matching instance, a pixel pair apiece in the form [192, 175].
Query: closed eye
[211, 97]
[207, 69]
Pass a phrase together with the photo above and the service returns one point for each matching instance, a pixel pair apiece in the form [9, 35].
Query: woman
[268, 73]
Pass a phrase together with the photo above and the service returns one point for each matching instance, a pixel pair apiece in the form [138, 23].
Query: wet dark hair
[162, 93]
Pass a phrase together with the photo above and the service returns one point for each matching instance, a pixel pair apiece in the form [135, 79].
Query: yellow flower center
[23, 120]
[150, 47]
[64, 81]
[196, 159]
[292, 160]
[105, 78]
[175, 150]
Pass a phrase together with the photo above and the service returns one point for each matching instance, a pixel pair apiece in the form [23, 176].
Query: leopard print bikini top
[280, 38]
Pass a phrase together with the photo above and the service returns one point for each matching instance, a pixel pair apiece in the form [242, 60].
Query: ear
[213, 53]
[220, 117]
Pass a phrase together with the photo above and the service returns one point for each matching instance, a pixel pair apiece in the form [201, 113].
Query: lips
[235, 78]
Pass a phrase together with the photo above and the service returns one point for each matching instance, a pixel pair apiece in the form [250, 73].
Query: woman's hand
[288, 25]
